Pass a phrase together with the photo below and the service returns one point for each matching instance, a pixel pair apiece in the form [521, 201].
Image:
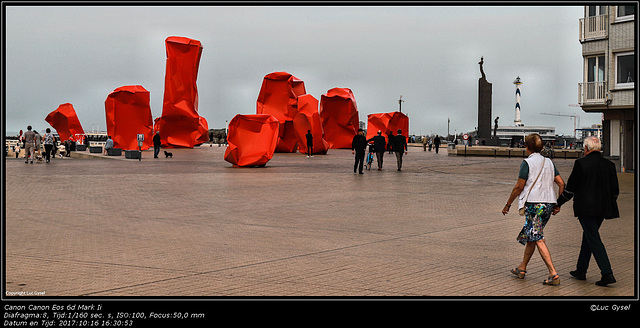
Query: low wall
[460, 150]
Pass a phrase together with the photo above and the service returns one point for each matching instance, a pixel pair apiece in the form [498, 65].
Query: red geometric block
[128, 114]
[387, 122]
[65, 121]
[307, 119]
[278, 97]
[180, 125]
[339, 116]
[252, 139]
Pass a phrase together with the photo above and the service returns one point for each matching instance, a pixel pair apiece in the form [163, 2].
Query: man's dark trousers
[359, 161]
[592, 244]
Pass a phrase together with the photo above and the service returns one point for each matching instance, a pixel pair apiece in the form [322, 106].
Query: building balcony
[592, 93]
[594, 27]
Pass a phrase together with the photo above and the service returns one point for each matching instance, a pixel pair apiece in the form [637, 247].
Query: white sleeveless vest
[542, 191]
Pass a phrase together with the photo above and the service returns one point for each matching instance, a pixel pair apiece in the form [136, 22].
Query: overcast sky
[427, 54]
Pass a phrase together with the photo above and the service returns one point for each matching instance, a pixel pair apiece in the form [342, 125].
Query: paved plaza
[193, 225]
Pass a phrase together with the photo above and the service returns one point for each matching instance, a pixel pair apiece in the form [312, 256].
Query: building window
[626, 11]
[625, 70]
[595, 69]
[597, 10]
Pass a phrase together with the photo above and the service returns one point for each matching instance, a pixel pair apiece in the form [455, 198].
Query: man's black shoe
[578, 275]
[606, 279]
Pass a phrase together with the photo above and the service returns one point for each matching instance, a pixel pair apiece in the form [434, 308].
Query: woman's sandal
[552, 280]
[518, 272]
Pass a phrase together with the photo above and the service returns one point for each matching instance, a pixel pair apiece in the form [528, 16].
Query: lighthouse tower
[517, 82]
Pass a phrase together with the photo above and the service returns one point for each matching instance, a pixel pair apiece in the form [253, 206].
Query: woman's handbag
[521, 211]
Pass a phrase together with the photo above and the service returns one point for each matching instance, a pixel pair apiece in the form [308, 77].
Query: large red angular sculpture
[252, 140]
[387, 122]
[308, 119]
[65, 121]
[128, 114]
[180, 125]
[278, 97]
[339, 116]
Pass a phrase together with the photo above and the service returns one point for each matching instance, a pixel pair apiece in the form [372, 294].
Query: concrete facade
[618, 104]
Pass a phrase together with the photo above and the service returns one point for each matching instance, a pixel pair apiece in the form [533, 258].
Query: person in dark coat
[156, 144]
[358, 147]
[309, 143]
[379, 146]
[390, 142]
[399, 147]
[593, 185]
[436, 142]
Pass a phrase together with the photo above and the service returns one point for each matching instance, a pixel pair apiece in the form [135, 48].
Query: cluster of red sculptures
[283, 97]
[285, 113]
[128, 112]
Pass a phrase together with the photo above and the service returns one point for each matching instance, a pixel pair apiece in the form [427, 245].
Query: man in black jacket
[156, 144]
[309, 137]
[379, 146]
[593, 185]
[358, 147]
[399, 147]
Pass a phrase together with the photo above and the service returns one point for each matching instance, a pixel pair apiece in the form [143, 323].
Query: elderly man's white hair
[592, 143]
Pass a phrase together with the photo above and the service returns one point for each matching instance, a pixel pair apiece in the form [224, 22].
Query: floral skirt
[536, 217]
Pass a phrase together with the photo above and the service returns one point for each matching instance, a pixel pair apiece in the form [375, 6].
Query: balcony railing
[592, 93]
[594, 27]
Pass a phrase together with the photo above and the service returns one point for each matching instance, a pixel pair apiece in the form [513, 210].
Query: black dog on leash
[168, 154]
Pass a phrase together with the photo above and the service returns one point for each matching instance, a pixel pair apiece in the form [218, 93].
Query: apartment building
[607, 35]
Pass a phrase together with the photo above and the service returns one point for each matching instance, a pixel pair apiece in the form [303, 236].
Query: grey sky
[427, 54]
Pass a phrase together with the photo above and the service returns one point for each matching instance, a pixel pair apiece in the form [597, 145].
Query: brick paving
[193, 225]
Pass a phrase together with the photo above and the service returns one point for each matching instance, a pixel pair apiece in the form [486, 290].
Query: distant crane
[573, 116]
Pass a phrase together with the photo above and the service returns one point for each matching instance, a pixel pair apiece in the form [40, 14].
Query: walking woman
[535, 192]
[48, 144]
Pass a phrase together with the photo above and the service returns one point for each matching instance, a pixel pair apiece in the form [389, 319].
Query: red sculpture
[387, 122]
[252, 140]
[308, 119]
[65, 121]
[180, 125]
[279, 97]
[339, 116]
[128, 114]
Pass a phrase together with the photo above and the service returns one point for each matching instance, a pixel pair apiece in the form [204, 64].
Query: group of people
[593, 186]
[31, 141]
[431, 142]
[396, 144]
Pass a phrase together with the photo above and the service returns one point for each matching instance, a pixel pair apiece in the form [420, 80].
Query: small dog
[39, 158]
[167, 154]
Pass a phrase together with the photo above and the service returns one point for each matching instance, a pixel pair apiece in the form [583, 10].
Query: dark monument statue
[484, 106]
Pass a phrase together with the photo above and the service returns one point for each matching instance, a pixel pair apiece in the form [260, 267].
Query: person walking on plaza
[29, 145]
[379, 146]
[309, 137]
[38, 139]
[48, 144]
[67, 147]
[399, 147]
[16, 148]
[358, 147]
[390, 143]
[156, 144]
[424, 143]
[593, 185]
[536, 196]
[436, 142]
